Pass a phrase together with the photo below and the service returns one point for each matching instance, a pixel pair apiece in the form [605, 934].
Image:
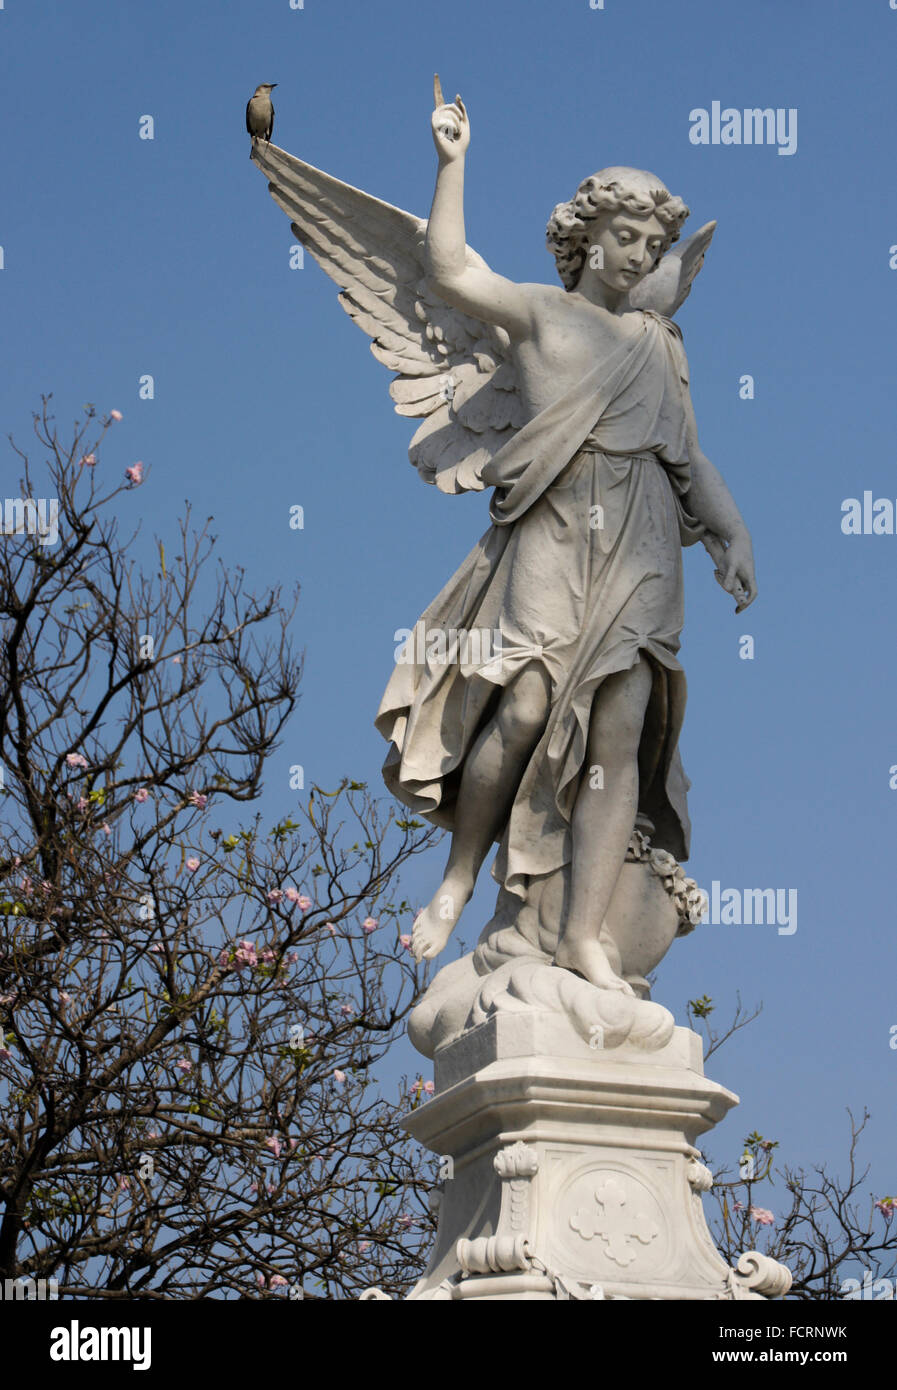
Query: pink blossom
[369, 924]
[303, 904]
[76, 760]
[887, 1206]
[64, 998]
[406, 942]
[153, 1134]
[274, 895]
[291, 894]
[199, 799]
[331, 928]
[192, 864]
[134, 474]
[156, 949]
[761, 1215]
[26, 884]
[406, 1221]
[363, 1246]
[293, 1143]
[82, 803]
[293, 957]
[347, 1010]
[415, 1088]
[267, 955]
[176, 660]
[185, 1065]
[124, 1183]
[429, 1087]
[5, 1054]
[245, 954]
[339, 1077]
[260, 1280]
[105, 827]
[738, 1206]
[115, 415]
[141, 794]
[87, 460]
[274, 1145]
[277, 1281]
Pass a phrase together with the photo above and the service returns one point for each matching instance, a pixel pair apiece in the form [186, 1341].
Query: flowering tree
[192, 1010]
[831, 1232]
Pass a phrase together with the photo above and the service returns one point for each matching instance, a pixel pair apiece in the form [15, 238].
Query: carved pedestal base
[572, 1172]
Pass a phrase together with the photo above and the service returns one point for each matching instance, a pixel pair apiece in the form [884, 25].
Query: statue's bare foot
[433, 927]
[588, 959]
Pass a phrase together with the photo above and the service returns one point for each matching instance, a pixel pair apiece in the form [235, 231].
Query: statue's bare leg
[489, 783]
[603, 820]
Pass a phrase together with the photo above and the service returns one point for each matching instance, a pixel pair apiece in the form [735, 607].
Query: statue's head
[603, 212]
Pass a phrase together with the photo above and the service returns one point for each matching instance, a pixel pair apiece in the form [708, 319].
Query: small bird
[260, 112]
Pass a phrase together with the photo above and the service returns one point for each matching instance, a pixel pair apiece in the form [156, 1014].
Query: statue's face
[630, 247]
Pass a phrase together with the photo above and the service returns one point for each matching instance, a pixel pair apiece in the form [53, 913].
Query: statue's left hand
[736, 571]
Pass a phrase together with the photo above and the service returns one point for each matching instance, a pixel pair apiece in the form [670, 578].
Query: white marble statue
[558, 741]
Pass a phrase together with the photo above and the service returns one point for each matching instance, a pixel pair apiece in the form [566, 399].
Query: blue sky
[125, 256]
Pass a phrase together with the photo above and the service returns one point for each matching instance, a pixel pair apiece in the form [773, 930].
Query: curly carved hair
[617, 189]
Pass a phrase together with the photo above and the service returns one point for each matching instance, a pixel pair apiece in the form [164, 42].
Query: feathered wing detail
[453, 370]
[666, 289]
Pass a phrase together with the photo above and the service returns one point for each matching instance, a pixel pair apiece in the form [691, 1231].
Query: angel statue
[559, 742]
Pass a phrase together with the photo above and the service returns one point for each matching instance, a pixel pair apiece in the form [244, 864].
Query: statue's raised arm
[473, 288]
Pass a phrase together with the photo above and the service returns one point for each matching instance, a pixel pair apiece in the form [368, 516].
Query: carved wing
[452, 369]
[666, 289]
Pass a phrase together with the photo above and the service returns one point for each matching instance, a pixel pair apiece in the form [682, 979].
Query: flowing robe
[581, 570]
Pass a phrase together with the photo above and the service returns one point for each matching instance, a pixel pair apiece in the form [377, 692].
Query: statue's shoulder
[539, 293]
[675, 343]
[669, 324]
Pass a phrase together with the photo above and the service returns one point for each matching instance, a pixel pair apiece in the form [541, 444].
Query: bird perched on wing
[260, 112]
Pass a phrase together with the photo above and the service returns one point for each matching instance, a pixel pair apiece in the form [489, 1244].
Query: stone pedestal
[573, 1172]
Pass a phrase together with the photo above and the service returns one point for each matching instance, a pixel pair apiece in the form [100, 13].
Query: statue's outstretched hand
[736, 571]
[451, 128]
